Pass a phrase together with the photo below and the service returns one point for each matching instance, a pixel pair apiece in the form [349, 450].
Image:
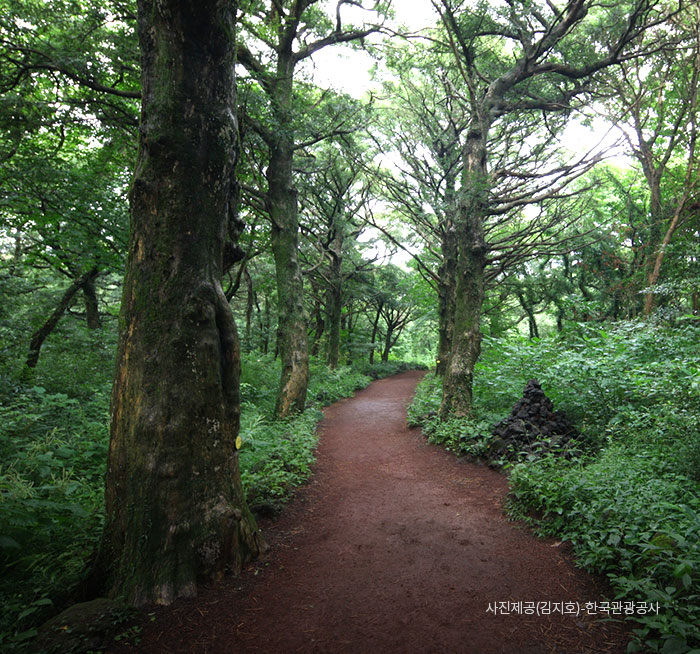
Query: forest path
[395, 546]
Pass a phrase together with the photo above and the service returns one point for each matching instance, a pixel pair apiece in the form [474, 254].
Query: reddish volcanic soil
[394, 547]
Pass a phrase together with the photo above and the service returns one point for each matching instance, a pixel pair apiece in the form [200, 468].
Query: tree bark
[470, 278]
[319, 328]
[41, 334]
[335, 310]
[335, 293]
[265, 327]
[658, 259]
[446, 283]
[375, 328]
[446, 298]
[175, 509]
[92, 311]
[292, 338]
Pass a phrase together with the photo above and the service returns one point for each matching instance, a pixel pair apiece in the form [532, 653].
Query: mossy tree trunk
[288, 23]
[175, 510]
[335, 312]
[533, 81]
[446, 282]
[469, 275]
[292, 338]
[335, 290]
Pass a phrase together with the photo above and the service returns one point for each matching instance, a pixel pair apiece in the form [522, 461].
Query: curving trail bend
[394, 547]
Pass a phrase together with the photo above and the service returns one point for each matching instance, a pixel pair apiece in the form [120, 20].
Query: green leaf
[26, 635]
[7, 542]
[26, 612]
[683, 568]
[675, 645]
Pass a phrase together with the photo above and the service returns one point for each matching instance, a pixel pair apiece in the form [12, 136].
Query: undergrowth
[630, 505]
[53, 451]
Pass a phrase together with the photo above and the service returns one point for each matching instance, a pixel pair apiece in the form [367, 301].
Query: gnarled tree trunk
[470, 278]
[175, 510]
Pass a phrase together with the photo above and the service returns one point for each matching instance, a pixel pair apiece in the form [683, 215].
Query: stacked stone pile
[533, 427]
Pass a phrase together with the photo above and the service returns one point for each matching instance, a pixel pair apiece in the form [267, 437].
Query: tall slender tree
[657, 103]
[287, 32]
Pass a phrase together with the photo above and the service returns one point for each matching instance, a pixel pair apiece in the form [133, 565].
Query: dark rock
[533, 427]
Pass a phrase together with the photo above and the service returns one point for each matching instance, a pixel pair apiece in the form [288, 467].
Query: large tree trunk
[335, 311]
[175, 509]
[335, 294]
[292, 337]
[470, 282]
[446, 273]
[41, 334]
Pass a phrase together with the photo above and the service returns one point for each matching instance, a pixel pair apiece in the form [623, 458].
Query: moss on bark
[175, 510]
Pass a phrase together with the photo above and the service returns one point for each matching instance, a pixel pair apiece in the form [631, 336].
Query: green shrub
[426, 401]
[382, 369]
[276, 456]
[327, 386]
[630, 515]
[54, 450]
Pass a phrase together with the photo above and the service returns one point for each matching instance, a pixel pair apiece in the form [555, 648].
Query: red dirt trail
[394, 547]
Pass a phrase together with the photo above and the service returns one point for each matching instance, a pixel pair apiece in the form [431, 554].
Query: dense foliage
[629, 503]
[53, 447]
[465, 165]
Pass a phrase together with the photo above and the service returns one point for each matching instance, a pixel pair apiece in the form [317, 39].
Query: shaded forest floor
[395, 546]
